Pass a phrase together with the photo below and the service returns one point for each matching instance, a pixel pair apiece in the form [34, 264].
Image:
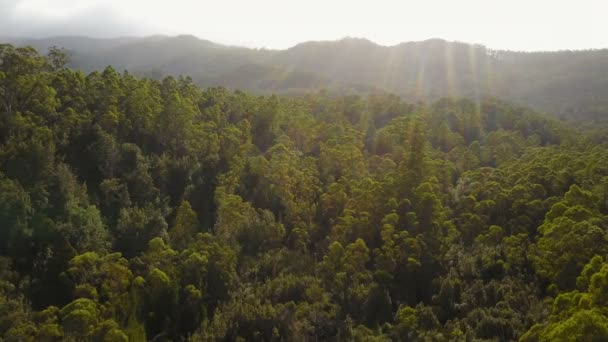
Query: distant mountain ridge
[573, 83]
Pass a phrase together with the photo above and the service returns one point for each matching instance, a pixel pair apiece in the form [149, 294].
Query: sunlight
[450, 74]
[420, 90]
[474, 72]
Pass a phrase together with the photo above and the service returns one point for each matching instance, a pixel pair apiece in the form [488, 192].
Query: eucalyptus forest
[136, 208]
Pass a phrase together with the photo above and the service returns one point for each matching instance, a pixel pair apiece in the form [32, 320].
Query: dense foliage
[135, 209]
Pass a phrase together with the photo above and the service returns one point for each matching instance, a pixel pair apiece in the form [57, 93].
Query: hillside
[570, 83]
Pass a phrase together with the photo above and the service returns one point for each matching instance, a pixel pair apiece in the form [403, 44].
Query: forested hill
[569, 83]
[136, 209]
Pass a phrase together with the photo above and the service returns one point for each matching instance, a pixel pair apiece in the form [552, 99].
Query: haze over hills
[569, 83]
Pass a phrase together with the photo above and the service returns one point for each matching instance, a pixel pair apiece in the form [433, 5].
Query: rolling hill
[570, 83]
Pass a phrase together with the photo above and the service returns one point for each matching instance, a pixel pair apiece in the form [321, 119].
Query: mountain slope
[564, 82]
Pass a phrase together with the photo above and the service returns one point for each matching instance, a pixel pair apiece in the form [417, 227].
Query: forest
[135, 209]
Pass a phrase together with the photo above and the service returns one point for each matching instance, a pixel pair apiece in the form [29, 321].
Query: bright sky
[512, 24]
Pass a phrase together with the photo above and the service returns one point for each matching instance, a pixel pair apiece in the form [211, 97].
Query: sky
[529, 25]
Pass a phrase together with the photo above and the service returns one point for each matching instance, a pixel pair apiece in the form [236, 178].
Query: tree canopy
[138, 209]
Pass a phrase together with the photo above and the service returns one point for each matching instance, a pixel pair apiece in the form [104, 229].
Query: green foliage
[185, 227]
[578, 316]
[134, 209]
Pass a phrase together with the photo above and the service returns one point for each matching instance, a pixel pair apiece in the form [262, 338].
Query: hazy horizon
[43, 38]
[514, 25]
